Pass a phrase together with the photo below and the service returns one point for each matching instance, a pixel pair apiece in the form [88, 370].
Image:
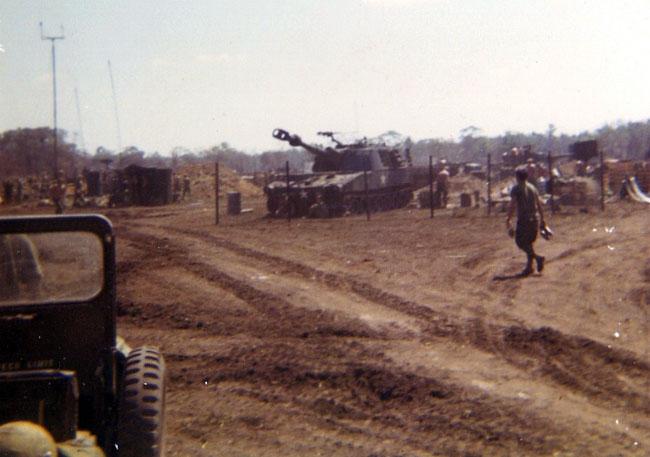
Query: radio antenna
[117, 117]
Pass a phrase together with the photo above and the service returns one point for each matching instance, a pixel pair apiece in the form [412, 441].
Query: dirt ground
[398, 336]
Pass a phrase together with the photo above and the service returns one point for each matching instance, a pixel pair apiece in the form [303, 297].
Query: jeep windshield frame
[93, 224]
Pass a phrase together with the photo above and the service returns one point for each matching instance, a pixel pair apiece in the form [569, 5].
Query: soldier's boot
[529, 267]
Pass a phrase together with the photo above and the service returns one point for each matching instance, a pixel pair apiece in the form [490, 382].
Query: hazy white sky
[197, 73]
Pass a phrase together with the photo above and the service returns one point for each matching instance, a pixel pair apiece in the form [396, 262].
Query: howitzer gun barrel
[295, 140]
[283, 135]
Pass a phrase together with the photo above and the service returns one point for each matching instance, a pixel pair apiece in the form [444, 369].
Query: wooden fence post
[365, 190]
[602, 180]
[489, 184]
[431, 187]
[216, 193]
[550, 181]
[288, 195]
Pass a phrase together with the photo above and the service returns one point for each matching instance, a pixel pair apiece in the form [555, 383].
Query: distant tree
[30, 151]
[157, 160]
[472, 144]
[130, 156]
[469, 131]
[436, 148]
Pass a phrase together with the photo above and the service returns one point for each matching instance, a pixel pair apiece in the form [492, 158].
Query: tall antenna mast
[53, 40]
[81, 126]
[117, 118]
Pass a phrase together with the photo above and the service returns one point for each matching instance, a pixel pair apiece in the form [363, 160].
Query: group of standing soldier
[40, 188]
[15, 191]
[120, 190]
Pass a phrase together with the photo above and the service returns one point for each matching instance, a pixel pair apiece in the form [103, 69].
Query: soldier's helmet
[26, 439]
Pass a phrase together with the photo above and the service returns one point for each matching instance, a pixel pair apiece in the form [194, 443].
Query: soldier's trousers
[525, 236]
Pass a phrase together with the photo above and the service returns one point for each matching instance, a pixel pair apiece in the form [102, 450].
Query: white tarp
[635, 193]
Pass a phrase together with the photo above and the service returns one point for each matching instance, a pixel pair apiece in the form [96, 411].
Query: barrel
[465, 200]
[94, 183]
[234, 203]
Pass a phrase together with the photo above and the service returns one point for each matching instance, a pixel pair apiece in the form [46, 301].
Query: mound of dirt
[466, 184]
[202, 181]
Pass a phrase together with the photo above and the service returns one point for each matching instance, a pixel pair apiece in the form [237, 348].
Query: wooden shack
[149, 186]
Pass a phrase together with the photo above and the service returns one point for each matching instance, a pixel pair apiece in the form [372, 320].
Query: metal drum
[234, 203]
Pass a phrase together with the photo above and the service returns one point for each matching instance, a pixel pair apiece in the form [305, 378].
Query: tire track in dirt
[331, 280]
[438, 416]
[574, 251]
[300, 291]
[287, 319]
[574, 362]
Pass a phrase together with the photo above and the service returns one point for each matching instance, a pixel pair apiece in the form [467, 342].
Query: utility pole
[53, 40]
[117, 118]
[81, 126]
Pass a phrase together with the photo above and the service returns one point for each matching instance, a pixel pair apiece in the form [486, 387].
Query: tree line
[626, 141]
[30, 151]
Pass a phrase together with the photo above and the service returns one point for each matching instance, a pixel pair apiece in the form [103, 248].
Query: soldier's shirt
[525, 195]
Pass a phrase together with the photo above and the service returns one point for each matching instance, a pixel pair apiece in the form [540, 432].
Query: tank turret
[354, 157]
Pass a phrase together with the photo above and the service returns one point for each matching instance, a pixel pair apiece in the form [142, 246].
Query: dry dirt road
[401, 336]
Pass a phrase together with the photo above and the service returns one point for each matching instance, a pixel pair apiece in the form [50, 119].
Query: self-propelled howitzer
[337, 185]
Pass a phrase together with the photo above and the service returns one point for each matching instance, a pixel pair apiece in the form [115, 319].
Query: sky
[196, 74]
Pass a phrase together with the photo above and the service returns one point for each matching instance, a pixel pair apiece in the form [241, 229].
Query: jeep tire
[141, 416]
